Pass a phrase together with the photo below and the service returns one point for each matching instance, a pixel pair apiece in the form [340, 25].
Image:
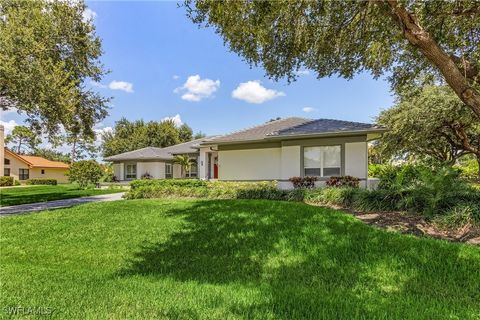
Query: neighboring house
[276, 150]
[156, 162]
[22, 167]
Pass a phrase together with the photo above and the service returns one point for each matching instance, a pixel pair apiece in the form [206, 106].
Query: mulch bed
[417, 225]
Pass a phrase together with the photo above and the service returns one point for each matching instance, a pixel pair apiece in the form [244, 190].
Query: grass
[32, 194]
[229, 259]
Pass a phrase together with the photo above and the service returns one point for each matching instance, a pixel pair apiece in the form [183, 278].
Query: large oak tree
[49, 53]
[409, 40]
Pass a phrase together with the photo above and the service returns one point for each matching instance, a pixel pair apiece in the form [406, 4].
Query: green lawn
[229, 259]
[31, 194]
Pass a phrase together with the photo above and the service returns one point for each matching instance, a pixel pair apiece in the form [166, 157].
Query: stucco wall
[290, 162]
[356, 159]
[50, 173]
[155, 169]
[14, 166]
[177, 171]
[252, 164]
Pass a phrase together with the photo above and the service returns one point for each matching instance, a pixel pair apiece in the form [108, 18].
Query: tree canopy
[23, 139]
[432, 124]
[131, 135]
[411, 41]
[48, 55]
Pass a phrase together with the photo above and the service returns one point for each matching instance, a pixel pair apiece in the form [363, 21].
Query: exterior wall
[14, 166]
[291, 165]
[155, 169]
[203, 163]
[177, 171]
[252, 164]
[356, 158]
[257, 162]
[50, 173]
[117, 170]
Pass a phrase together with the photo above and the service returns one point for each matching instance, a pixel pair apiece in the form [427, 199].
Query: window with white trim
[168, 170]
[322, 161]
[130, 171]
[192, 173]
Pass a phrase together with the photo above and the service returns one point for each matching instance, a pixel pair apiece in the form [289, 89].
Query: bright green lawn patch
[32, 194]
[227, 259]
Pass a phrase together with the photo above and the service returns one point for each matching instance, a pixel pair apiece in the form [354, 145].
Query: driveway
[56, 204]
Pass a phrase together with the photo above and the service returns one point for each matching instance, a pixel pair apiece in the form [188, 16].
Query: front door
[215, 168]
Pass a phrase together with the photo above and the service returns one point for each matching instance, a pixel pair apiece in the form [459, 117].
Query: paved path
[56, 204]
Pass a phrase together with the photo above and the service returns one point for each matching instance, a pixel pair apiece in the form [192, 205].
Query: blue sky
[152, 49]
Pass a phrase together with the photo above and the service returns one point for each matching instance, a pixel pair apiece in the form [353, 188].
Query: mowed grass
[32, 194]
[229, 259]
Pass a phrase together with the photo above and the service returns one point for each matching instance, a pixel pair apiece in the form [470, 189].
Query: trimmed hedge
[6, 181]
[50, 182]
[421, 199]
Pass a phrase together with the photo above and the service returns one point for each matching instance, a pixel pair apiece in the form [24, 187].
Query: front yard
[204, 259]
[31, 194]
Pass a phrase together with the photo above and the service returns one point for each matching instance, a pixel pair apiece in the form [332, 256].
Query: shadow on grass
[312, 261]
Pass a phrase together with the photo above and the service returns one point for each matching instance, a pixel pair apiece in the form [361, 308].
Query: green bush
[85, 173]
[50, 182]
[167, 183]
[6, 181]
[376, 170]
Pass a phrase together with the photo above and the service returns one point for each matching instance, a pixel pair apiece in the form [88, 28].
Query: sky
[164, 66]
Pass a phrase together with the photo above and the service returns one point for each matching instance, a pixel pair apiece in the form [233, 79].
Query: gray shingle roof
[293, 126]
[152, 153]
[325, 126]
[261, 131]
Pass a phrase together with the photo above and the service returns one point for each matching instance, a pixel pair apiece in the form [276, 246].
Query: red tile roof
[38, 162]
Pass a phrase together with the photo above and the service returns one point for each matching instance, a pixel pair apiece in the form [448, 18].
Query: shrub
[85, 172]
[376, 170]
[303, 182]
[50, 182]
[343, 181]
[168, 182]
[6, 181]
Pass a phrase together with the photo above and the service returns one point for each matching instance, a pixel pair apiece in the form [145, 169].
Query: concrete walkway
[56, 204]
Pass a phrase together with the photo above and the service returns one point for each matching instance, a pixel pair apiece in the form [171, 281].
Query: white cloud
[309, 109]
[254, 92]
[121, 85]
[176, 119]
[176, 77]
[302, 72]
[89, 14]
[8, 125]
[196, 89]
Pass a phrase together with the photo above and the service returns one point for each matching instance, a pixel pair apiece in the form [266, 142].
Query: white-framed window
[168, 170]
[322, 161]
[192, 173]
[130, 171]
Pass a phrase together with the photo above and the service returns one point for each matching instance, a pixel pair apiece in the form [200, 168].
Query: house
[156, 162]
[22, 167]
[276, 150]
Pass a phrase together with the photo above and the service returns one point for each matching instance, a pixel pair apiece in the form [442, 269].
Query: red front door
[215, 171]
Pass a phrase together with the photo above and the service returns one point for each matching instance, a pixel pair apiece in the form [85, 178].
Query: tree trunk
[19, 148]
[74, 151]
[422, 40]
[478, 162]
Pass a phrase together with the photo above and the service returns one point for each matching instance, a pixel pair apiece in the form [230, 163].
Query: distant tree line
[132, 135]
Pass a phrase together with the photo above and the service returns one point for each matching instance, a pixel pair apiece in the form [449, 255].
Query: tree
[185, 163]
[410, 40]
[85, 172]
[50, 154]
[132, 135]
[81, 147]
[23, 137]
[433, 123]
[185, 133]
[48, 54]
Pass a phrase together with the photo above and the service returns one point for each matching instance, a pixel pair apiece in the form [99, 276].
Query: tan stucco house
[276, 150]
[22, 167]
